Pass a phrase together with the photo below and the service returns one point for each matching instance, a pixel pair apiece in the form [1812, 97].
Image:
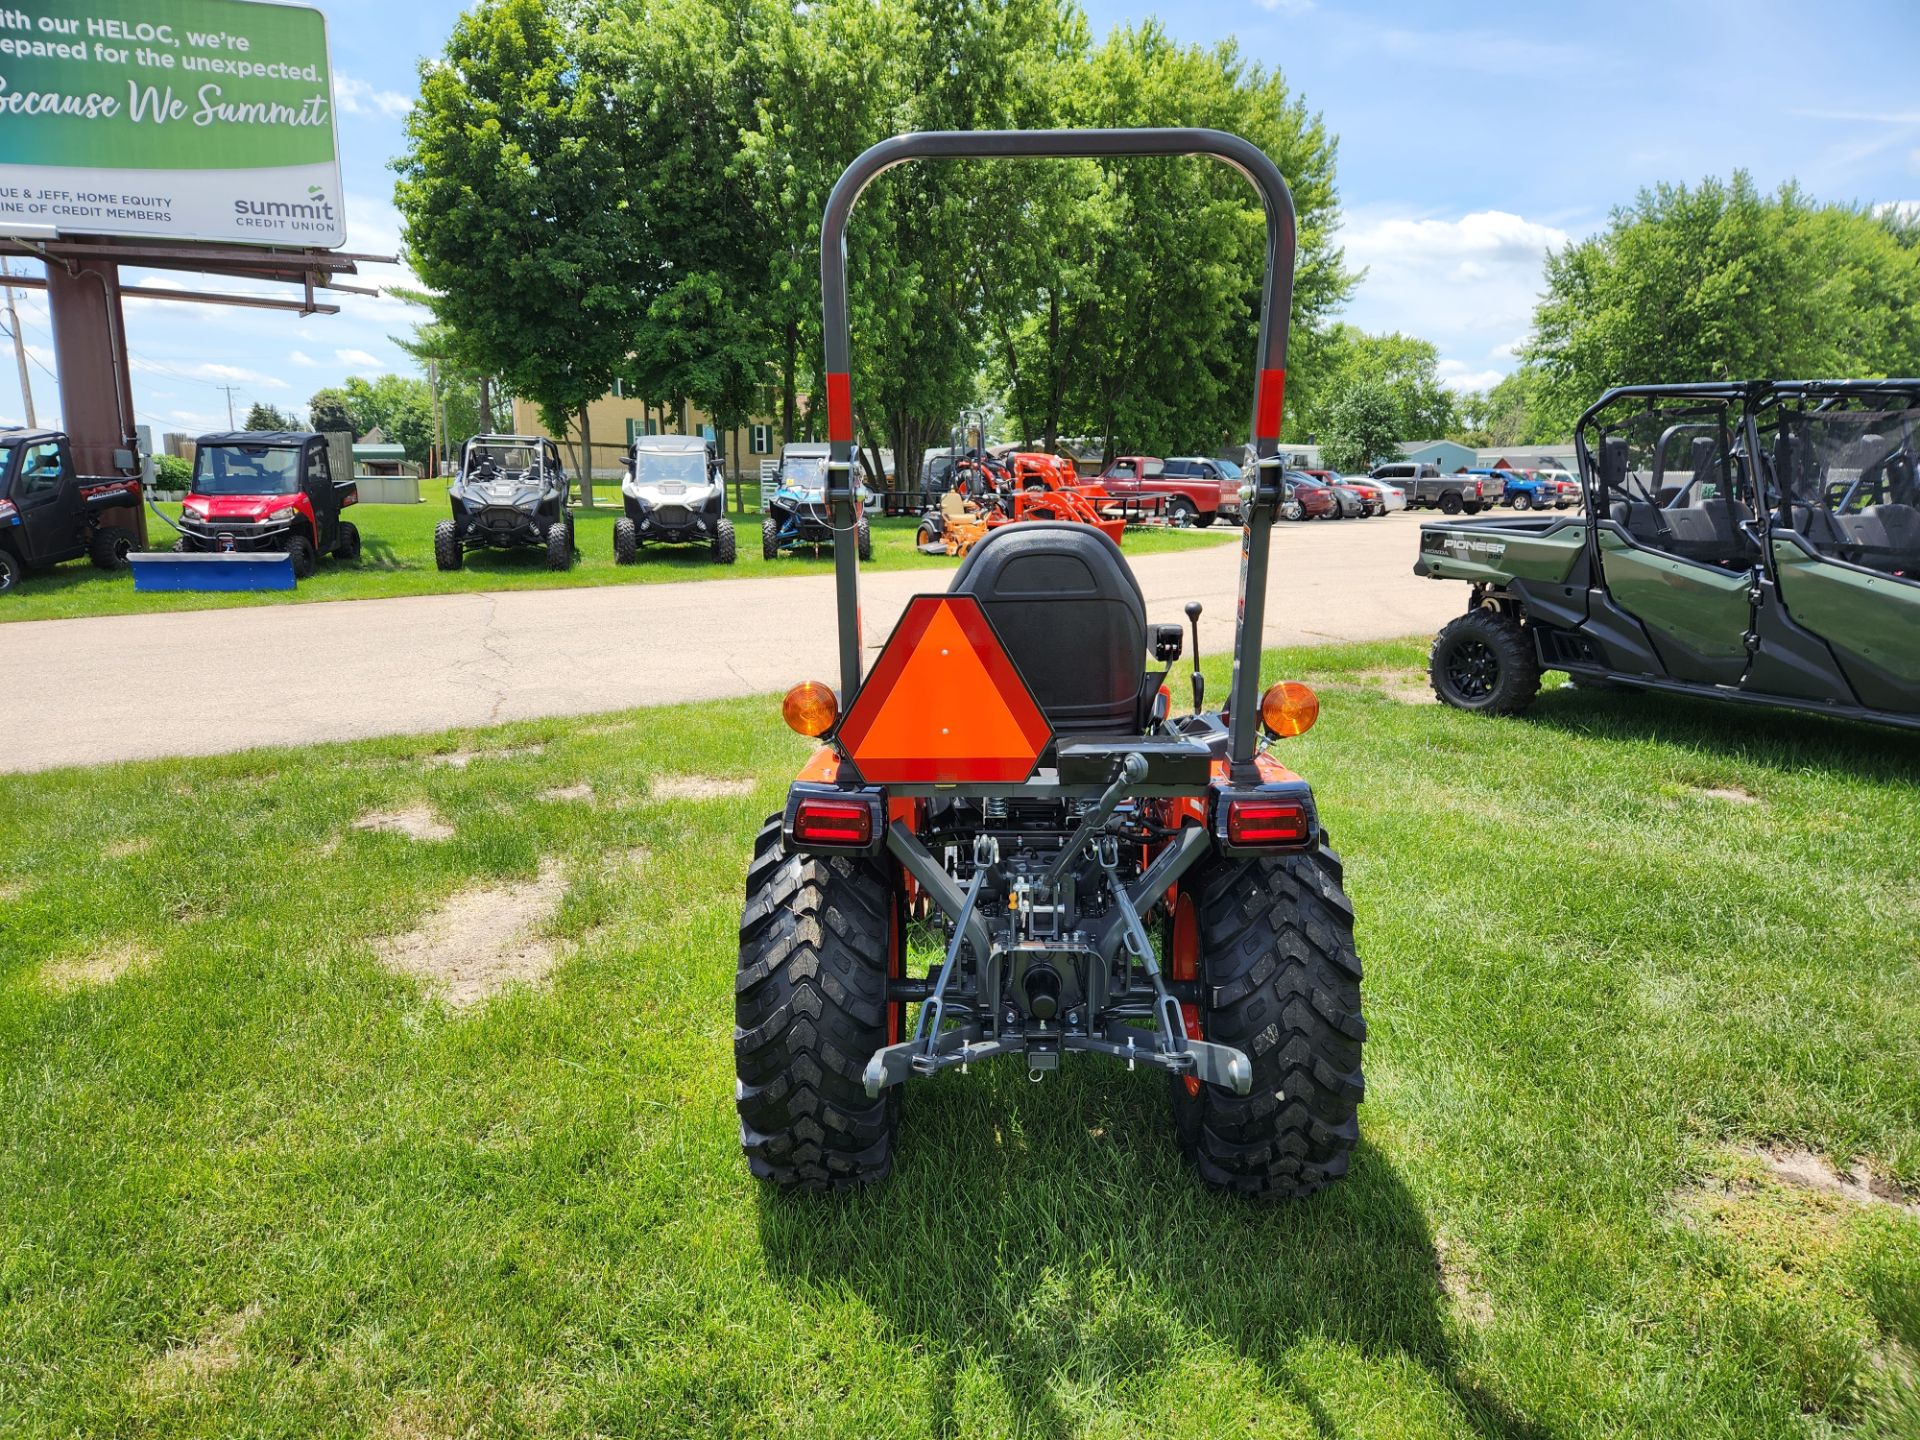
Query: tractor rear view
[1101, 877]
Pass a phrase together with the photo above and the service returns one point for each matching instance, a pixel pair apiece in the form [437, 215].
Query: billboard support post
[90, 358]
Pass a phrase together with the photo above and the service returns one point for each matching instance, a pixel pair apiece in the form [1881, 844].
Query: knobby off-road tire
[863, 539]
[725, 542]
[626, 541]
[1280, 981]
[817, 938]
[559, 546]
[300, 550]
[348, 545]
[110, 547]
[769, 540]
[448, 553]
[1484, 661]
[10, 571]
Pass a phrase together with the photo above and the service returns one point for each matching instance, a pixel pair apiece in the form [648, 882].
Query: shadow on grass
[1053, 1231]
[1777, 737]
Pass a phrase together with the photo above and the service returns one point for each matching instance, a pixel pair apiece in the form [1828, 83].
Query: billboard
[169, 120]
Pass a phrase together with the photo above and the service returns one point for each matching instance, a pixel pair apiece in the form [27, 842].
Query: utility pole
[229, 389]
[19, 346]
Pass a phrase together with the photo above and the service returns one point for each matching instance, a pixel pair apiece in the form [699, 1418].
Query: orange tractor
[1027, 485]
[1086, 873]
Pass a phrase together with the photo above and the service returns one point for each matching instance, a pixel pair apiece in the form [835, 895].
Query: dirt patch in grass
[1409, 687]
[1808, 1171]
[481, 940]
[461, 759]
[11, 890]
[634, 859]
[582, 791]
[1460, 1283]
[698, 787]
[206, 1358]
[416, 822]
[102, 967]
[127, 846]
[1727, 794]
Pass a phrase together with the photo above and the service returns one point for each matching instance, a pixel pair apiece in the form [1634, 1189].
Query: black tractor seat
[1071, 614]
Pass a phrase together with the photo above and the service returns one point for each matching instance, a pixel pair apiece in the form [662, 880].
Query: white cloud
[1469, 283]
[362, 359]
[1455, 375]
[1903, 209]
[1287, 7]
[357, 97]
[210, 371]
[300, 357]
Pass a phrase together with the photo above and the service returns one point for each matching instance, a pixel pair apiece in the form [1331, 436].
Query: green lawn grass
[397, 559]
[260, 1185]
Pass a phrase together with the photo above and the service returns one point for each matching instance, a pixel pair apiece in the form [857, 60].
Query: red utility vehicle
[268, 490]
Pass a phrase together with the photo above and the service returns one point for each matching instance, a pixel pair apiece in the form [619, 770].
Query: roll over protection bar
[1269, 390]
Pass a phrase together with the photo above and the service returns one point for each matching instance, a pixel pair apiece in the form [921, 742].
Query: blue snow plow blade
[207, 570]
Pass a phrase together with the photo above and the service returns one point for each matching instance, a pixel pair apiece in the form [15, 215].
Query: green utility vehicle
[1757, 541]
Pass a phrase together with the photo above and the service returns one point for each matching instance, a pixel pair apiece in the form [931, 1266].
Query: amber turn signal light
[810, 708]
[1289, 708]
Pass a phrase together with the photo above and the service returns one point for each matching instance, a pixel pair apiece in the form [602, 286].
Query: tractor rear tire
[348, 546]
[110, 547]
[626, 541]
[1484, 661]
[1280, 981]
[818, 936]
[300, 550]
[559, 546]
[769, 540]
[863, 539]
[725, 543]
[448, 552]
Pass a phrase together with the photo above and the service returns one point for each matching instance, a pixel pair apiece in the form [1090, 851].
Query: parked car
[49, 512]
[1427, 489]
[1372, 494]
[1517, 488]
[1190, 499]
[1305, 497]
[675, 492]
[268, 490]
[1349, 503]
[1568, 485]
[1751, 542]
[1224, 473]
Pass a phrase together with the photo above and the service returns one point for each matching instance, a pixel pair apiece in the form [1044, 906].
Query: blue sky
[1472, 138]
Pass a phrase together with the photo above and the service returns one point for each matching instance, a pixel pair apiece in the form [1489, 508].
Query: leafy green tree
[1722, 282]
[269, 417]
[521, 209]
[399, 406]
[1360, 427]
[1408, 367]
[329, 409]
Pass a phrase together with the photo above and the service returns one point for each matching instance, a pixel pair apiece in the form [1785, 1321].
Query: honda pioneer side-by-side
[674, 493]
[511, 491]
[797, 513]
[49, 512]
[1007, 845]
[1755, 542]
[258, 490]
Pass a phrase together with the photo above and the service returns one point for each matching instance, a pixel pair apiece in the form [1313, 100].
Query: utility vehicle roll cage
[1275, 310]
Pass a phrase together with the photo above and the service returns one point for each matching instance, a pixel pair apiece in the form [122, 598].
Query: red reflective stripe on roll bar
[1266, 413]
[839, 407]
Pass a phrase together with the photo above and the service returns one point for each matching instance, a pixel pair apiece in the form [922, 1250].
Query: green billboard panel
[169, 120]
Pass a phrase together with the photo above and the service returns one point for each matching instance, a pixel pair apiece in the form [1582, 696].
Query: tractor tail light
[1268, 824]
[810, 708]
[844, 823]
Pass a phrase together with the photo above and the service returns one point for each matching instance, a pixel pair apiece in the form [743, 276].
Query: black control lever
[1199, 680]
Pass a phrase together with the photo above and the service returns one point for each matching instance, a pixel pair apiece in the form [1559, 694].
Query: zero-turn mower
[1103, 878]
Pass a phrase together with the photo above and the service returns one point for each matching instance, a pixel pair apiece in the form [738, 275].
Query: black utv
[49, 512]
[511, 490]
[675, 493]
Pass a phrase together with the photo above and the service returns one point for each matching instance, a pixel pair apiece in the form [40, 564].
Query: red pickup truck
[1190, 498]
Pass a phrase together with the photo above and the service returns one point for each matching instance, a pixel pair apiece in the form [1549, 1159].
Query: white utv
[675, 493]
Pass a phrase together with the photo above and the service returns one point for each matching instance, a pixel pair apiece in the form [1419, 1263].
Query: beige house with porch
[614, 420]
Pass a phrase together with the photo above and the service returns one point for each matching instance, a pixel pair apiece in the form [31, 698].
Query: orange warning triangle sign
[944, 703]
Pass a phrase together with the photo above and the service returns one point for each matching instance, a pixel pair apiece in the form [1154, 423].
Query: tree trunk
[586, 460]
[486, 403]
[789, 385]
